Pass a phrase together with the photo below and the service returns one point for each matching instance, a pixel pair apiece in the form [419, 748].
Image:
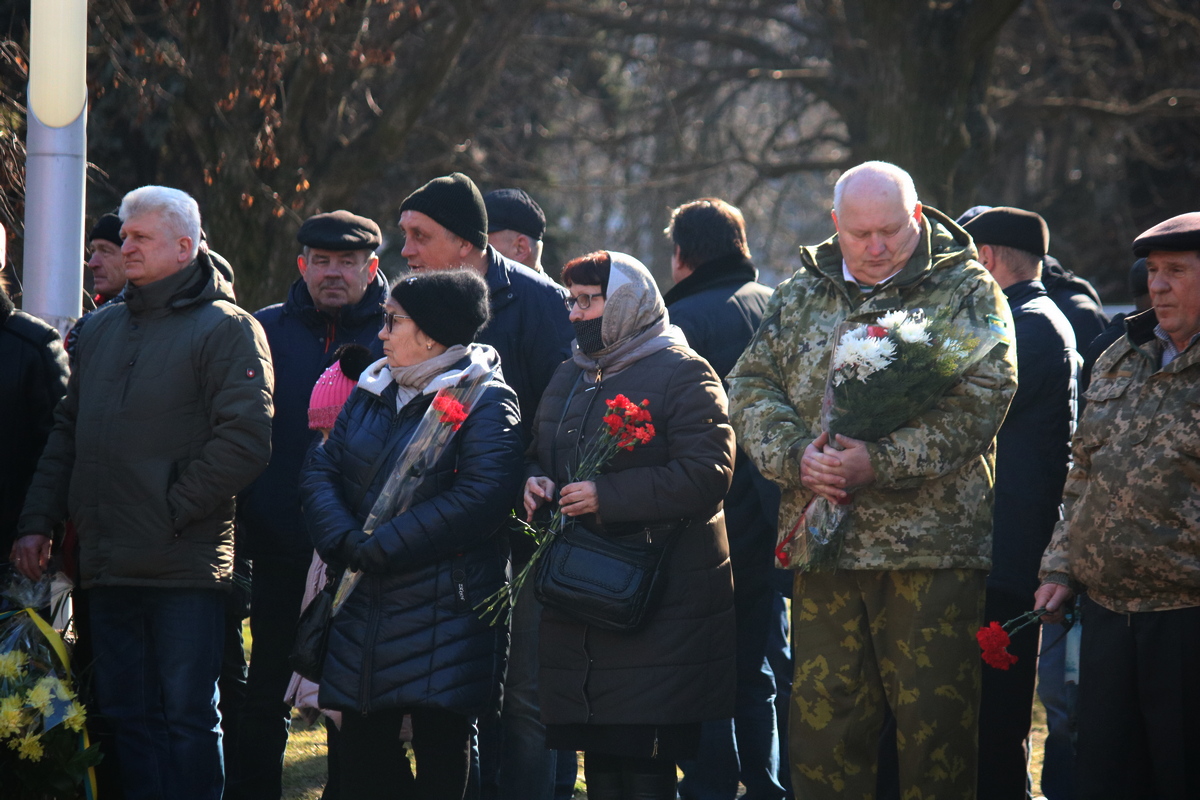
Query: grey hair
[177, 207]
[880, 169]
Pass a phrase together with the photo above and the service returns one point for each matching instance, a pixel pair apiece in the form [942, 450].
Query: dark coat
[1077, 299]
[303, 341]
[718, 307]
[408, 637]
[1033, 446]
[33, 378]
[529, 329]
[679, 666]
[167, 417]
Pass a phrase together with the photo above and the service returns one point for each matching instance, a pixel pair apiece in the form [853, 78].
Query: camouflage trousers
[904, 638]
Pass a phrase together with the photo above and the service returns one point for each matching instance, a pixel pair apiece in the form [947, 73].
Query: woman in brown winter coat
[633, 701]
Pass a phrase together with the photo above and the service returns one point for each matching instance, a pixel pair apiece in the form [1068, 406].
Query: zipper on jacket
[654, 752]
[364, 695]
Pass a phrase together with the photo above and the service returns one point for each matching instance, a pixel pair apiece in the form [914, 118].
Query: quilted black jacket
[408, 637]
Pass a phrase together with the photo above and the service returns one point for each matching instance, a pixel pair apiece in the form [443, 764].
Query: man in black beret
[516, 225]
[337, 299]
[1032, 458]
[1129, 537]
[445, 225]
[106, 263]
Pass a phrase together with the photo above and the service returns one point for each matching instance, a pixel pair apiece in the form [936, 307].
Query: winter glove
[349, 550]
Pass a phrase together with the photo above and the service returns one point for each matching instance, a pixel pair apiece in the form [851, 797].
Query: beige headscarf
[635, 321]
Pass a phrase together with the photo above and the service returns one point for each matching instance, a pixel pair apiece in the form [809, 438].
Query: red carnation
[452, 411]
[994, 641]
[876, 331]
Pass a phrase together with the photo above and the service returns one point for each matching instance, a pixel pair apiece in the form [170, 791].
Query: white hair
[178, 208]
[878, 169]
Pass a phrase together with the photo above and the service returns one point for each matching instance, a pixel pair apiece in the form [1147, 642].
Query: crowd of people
[194, 464]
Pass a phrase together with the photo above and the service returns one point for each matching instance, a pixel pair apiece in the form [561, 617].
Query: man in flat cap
[337, 299]
[1131, 539]
[1033, 450]
[516, 225]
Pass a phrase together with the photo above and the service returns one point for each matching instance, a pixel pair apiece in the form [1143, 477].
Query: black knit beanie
[107, 228]
[450, 306]
[454, 202]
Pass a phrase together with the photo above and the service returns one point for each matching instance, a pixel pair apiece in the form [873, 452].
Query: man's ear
[372, 267]
[835, 225]
[524, 247]
[302, 264]
[916, 213]
[185, 249]
[987, 257]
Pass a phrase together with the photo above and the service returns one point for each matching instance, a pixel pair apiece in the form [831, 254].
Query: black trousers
[276, 592]
[1006, 707]
[1139, 705]
[375, 767]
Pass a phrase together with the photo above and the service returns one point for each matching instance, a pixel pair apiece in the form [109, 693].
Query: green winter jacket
[1131, 531]
[931, 504]
[167, 416]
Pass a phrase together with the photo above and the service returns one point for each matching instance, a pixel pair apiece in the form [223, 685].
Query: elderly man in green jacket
[1130, 537]
[167, 416]
[894, 625]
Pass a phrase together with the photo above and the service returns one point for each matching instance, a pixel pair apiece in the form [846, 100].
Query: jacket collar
[730, 269]
[942, 244]
[198, 282]
[365, 312]
[1022, 292]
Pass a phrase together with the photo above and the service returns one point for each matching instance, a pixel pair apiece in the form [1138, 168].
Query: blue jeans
[1058, 766]
[527, 768]
[746, 748]
[158, 658]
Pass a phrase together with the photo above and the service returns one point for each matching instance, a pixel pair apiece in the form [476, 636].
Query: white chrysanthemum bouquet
[881, 375]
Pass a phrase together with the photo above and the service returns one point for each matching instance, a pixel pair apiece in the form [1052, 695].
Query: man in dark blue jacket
[337, 299]
[718, 303]
[445, 226]
[1032, 457]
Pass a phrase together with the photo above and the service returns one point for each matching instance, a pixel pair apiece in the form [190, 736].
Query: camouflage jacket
[930, 506]
[1131, 530]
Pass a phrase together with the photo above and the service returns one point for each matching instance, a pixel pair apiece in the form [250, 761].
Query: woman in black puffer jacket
[633, 701]
[408, 640]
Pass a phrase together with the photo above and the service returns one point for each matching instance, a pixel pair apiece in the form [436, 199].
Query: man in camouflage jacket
[896, 623]
[1131, 539]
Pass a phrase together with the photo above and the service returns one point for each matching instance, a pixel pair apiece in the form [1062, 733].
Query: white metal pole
[56, 147]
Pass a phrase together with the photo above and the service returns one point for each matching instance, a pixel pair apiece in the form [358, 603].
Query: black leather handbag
[610, 581]
[312, 635]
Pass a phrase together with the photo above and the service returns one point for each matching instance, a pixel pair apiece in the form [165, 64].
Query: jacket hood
[480, 358]
[943, 243]
[198, 282]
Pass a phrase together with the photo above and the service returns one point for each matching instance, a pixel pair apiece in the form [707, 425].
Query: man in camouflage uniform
[1131, 539]
[894, 627]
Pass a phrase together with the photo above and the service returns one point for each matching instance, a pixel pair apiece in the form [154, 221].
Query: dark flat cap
[1177, 233]
[1005, 226]
[339, 230]
[107, 228]
[514, 210]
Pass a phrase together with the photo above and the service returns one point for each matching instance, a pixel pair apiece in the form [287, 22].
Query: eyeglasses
[584, 301]
[389, 319]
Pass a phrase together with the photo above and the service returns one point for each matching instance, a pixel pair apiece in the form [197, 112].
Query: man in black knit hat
[445, 226]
